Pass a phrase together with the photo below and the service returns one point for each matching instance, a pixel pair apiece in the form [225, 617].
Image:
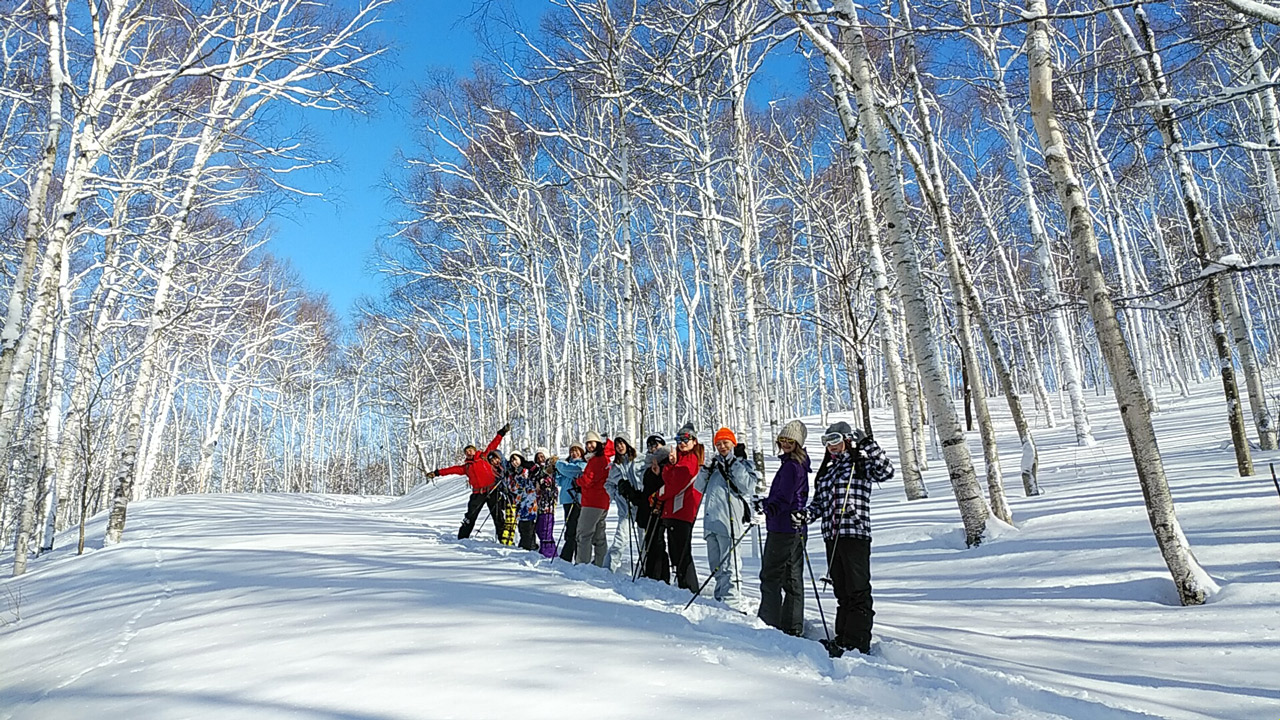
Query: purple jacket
[788, 493]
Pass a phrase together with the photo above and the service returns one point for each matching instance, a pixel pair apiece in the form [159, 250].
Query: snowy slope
[355, 608]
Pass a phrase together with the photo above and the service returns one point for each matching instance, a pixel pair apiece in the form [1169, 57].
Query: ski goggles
[685, 437]
[832, 439]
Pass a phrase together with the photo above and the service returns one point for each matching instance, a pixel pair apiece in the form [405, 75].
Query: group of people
[656, 500]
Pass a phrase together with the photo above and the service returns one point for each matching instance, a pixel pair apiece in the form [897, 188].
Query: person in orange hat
[725, 483]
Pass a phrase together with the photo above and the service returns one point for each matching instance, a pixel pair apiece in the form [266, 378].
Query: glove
[740, 450]
[655, 504]
[504, 430]
[431, 475]
[757, 504]
[798, 519]
[859, 435]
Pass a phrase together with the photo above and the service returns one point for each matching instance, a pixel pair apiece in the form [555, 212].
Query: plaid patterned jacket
[842, 490]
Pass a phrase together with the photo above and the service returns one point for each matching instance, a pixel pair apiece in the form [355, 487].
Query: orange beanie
[725, 434]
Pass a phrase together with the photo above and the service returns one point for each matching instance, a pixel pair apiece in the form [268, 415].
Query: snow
[331, 607]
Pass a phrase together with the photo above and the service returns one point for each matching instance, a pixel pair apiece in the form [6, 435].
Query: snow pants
[628, 538]
[592, 547]
[508, 535]
[570, 548]
[528, 538]
[849, 564]
[680, 550]
[477, 501]
[546, 529]
[782, 582]
[726, 569]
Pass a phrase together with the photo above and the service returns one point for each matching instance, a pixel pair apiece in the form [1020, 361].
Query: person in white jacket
[627, 537]
[725, 482]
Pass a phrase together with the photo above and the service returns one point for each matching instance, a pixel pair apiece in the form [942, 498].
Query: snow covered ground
[347, 608]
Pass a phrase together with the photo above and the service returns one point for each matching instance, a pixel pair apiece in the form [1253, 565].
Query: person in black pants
[567, 474]
[681, 501]
[657, 565]
[842, 501]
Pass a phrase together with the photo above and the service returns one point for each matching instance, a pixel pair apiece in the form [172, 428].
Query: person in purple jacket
[782, 567]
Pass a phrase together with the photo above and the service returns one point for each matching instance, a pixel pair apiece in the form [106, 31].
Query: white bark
[1193, 584]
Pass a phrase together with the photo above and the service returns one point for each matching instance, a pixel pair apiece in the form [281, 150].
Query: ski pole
[1273, 478]
[804, 543]
[563, 527]
[732, 548]
[654, 525]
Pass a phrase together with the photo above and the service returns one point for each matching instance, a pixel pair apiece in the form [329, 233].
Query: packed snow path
[324, 607]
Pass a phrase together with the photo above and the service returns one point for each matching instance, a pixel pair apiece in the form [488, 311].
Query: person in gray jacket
[625, 471]
[725, 482]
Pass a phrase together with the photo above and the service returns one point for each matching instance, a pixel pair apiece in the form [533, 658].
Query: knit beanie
[841, 427]
[655, 439]
[795, 431]
[725, 433]
[687, 429]
[541, 451]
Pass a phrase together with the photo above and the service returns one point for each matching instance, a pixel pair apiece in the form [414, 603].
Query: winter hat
[496, 454]
[523, 458]
[624, 439]
[725, 433]
[686, 430]
[842, 428]
[592, 436]
[541, 451]
[795, 431]
[655, 439]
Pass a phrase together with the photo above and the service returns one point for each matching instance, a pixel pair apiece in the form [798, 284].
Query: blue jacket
[567, 471]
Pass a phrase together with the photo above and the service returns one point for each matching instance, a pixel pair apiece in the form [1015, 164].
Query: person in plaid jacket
[842, 501]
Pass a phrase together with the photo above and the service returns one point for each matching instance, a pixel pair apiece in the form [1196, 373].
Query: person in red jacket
[592, 547]
[680, 504]
[483, 483]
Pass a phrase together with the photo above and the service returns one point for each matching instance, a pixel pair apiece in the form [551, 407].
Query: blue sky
[331, 241]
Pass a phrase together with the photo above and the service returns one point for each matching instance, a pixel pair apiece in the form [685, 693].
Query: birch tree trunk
[966, 304]
[1060, 333]
[858, 72]
[908, 464]
[1193, 584]
[37, 200]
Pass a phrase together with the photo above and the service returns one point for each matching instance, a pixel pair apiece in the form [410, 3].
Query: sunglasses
[685, 438]
[831, 439]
